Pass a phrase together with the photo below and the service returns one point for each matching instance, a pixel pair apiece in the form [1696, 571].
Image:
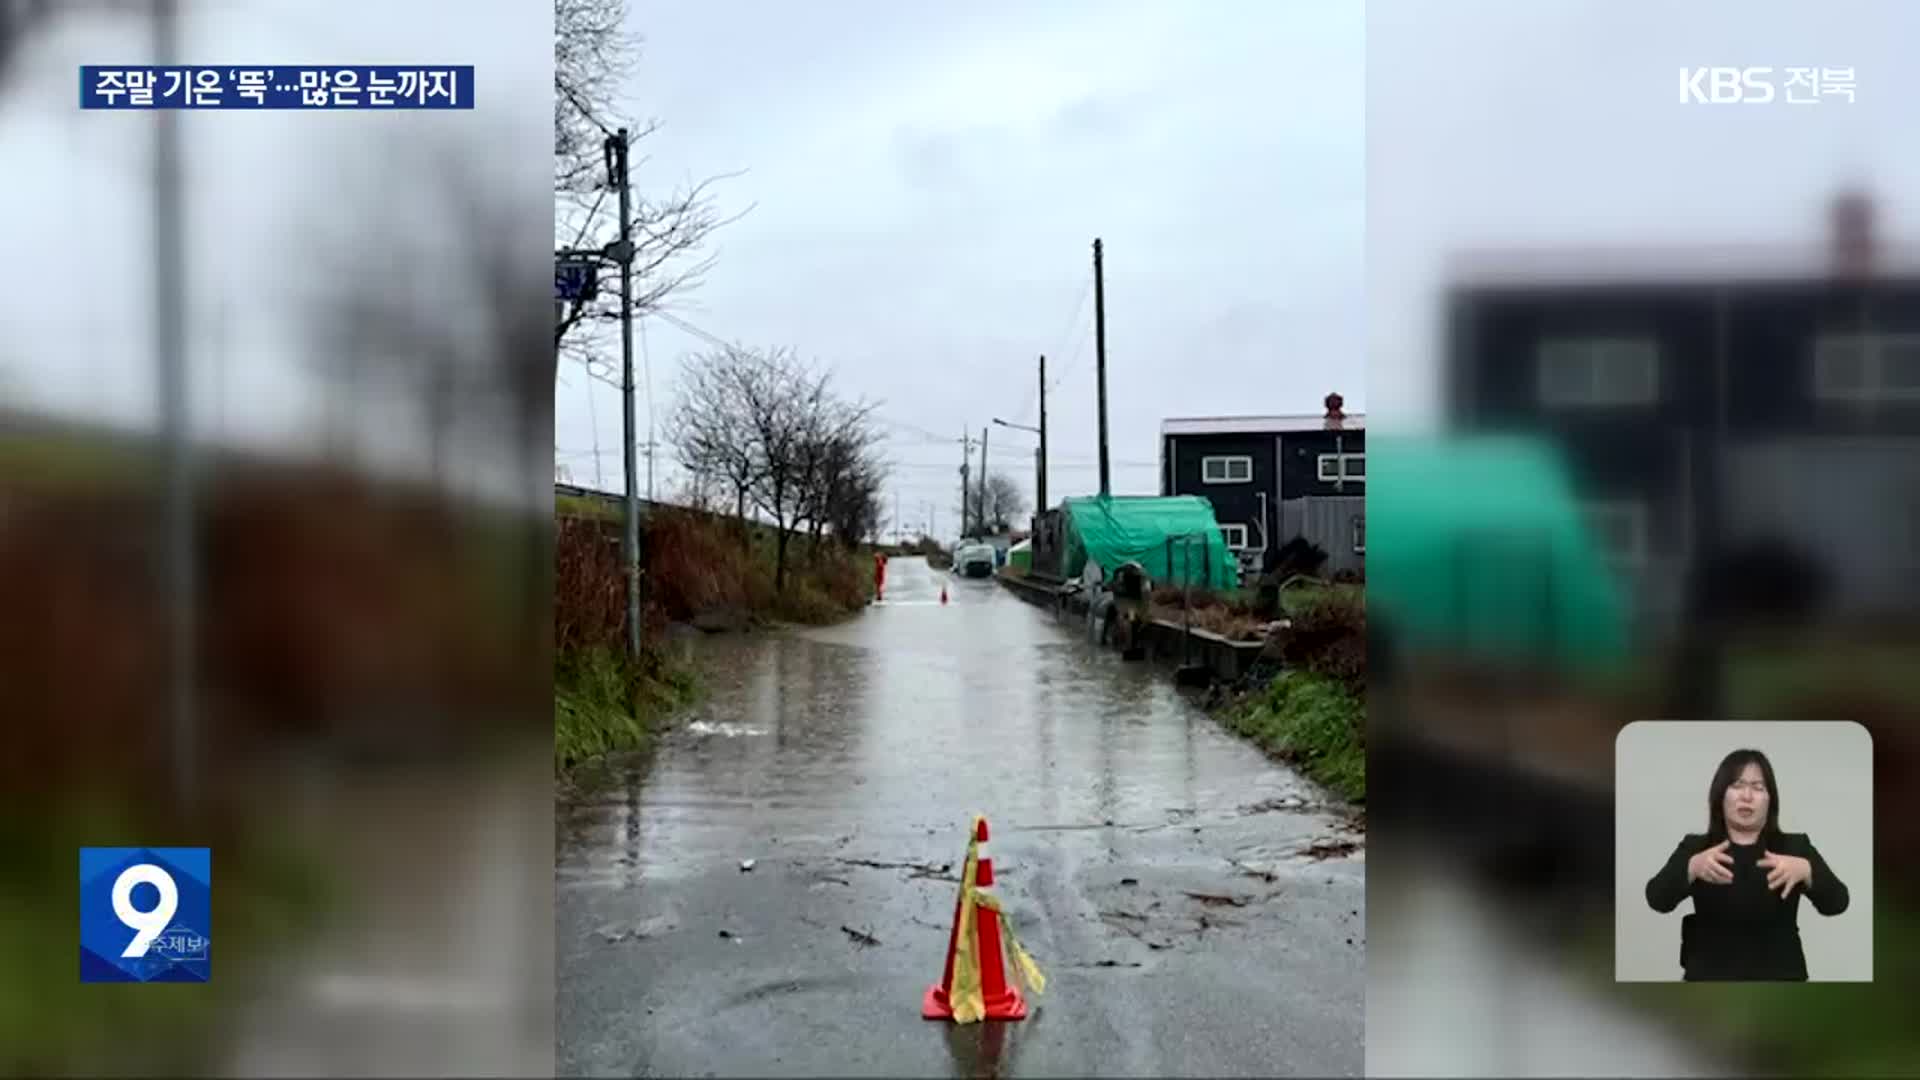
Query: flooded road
[1156, 867]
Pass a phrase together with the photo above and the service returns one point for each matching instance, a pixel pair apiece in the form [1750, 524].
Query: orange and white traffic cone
[974, 985]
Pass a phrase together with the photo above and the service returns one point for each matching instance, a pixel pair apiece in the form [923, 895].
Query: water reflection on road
[1155, 865]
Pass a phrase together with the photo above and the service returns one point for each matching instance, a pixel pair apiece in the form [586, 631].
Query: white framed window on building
[1619, 528]
[1348, 467]
[1236, 536]
[1359, 534]
[1226, 469]
[1866, 367]
[1599, 371]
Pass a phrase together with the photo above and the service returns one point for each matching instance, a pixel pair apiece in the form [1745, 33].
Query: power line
[1033, 394]
[675, 320]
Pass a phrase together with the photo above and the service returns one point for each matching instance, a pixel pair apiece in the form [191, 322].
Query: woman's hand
[1786, 873]
[1712, 865]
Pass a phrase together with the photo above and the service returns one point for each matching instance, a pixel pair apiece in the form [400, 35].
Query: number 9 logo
[148, 924]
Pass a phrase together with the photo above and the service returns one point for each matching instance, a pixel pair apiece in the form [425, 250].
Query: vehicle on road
[974, 560]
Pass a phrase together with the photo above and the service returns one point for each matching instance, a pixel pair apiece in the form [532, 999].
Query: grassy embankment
[700, 565]
[1313, 713]
[323, 596]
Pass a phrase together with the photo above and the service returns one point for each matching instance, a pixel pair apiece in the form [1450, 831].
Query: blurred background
[275, 551]
[1646, 400]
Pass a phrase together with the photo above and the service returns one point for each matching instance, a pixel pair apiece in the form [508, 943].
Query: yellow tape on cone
[966, 996]
[1024, 967]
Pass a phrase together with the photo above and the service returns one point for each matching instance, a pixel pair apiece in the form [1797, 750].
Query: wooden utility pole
[617, 147]
[966, 493]
[1040, 486]
[985, 525]
[181, 568]
[1100, 360]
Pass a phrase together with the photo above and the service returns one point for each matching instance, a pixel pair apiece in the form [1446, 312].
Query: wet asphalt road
[847, 761]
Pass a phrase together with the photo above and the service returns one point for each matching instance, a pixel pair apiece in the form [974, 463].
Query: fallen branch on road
[875, 864]
[1217, 899]
[863, 939]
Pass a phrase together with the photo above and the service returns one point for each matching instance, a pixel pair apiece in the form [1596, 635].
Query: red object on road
[879, 574]
[1001, 999]
[943, 594]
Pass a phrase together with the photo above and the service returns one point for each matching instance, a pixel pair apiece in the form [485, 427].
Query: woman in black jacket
[1746, 878]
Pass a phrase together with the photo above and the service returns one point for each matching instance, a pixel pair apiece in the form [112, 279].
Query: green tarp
[1173, 538]
[1479, 547]
[1020, 556]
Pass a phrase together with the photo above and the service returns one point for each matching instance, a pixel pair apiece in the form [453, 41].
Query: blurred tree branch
[594, 55]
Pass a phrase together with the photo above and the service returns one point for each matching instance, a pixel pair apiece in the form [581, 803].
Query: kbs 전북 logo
[145, 914]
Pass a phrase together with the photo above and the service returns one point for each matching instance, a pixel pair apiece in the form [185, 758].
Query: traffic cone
[999, 998]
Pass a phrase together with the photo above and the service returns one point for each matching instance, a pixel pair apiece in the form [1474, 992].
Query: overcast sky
[928, 181]
[1548, 125]
[272, 198]
[1276, 183]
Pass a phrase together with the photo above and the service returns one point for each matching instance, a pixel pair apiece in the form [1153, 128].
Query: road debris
[746, 865]
[1111, 919]
[1218, 899]
[877, 864]
[1279, 805]
[1328, 849]
[1267, 876]
[865, 940]
[1129, 881]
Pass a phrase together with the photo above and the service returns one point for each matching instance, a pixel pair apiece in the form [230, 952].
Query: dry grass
[698, 563]
[1231, 615]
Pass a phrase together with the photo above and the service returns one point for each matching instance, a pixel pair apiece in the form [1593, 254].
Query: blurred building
[1753, 413]
[1274, 478]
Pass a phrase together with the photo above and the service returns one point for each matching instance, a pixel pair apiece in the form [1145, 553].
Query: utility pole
[617, 148]
[169, 308]
[966, 494]
[985, 525]
[1100, 359]
[646, 363]
[1040, 486]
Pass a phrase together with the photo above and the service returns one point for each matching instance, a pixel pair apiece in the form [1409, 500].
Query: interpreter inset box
[1743, 852]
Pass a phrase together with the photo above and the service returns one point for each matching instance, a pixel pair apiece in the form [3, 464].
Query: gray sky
[266, 193]
[929, 180]
[1517, 125]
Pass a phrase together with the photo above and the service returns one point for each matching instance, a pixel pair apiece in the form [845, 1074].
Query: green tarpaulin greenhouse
[1479, 547]
[1020, 556]
[1173, 538]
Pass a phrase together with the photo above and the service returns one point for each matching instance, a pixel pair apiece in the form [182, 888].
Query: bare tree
[710, 428]
[1004, 501]
[430, 302]
[783, 407]
[857, 509]
[594, 54]
[837, 468]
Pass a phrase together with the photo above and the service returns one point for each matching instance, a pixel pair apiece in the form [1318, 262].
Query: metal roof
[1657, 265]
[1259, 425]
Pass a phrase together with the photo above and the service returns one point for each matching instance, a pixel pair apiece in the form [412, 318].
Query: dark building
[1713, 403]
[1272, 478]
